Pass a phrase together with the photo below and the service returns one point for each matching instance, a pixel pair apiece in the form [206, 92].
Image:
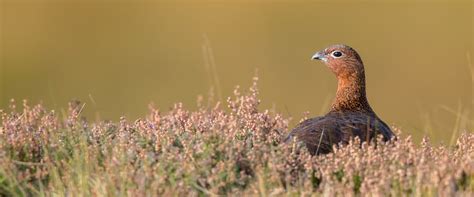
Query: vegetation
[212, 151]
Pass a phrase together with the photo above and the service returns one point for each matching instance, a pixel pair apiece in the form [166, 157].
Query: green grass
[210, 152]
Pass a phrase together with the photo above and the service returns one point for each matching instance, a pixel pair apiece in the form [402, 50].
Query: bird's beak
[319, 56]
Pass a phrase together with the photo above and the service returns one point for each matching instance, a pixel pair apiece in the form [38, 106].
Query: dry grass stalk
[212, 152]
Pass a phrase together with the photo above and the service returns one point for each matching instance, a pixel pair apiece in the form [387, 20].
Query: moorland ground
[212, 151]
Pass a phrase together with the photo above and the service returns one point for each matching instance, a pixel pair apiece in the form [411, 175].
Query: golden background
[119, 56]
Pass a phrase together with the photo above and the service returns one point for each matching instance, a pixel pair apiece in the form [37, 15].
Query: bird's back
[320, 133]
[351, 115]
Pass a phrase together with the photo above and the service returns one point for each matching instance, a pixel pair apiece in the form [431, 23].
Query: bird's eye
[336, 54]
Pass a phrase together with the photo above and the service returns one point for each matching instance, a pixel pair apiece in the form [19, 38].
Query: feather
[350, 115]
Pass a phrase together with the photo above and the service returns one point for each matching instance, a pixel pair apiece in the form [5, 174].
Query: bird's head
[343, 60]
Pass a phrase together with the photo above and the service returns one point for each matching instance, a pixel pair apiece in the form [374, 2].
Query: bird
[350, 115]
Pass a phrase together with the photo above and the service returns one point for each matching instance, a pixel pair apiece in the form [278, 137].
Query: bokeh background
[118, 56]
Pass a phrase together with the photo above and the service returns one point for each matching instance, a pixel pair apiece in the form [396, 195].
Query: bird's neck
[350, 95]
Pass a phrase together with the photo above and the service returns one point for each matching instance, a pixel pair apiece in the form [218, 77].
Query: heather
[230, 148]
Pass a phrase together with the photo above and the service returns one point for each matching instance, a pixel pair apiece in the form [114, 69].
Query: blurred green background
[119, 56]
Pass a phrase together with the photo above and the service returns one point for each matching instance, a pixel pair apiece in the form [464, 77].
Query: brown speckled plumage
[350, 115]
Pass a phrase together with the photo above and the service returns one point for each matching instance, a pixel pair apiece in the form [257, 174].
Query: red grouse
[350, 115]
